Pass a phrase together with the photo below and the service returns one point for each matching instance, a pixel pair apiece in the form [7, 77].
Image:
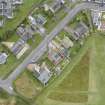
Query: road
[40, 50]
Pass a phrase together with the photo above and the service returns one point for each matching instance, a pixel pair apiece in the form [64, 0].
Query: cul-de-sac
[52, 52]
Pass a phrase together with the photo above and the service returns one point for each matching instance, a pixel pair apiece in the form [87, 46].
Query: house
[25, 33]
[40, 20]
[17, 48]
[41, 72]
[3, 58]
[96, 17]
[66, 42]
[102, 22]
[37, 23]
[56, 52]
[81, 30]
[54, 57]
[17, 2]
[37, 20]
[20, 30]
[55, 6]
[102, 26]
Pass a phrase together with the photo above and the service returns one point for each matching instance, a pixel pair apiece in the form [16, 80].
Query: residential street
[40, 50]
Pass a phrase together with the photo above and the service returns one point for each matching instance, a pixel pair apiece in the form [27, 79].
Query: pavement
[42, 48]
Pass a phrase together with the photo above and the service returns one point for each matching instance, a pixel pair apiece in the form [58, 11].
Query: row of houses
[26, 32]
[37, 21]
[58, 51]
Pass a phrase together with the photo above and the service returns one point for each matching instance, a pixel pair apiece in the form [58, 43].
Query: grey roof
[3, 58]
[57, 4]
[44, 77]
[25, 32]
[18, 46]
[40, 20]
[42, 73]
[80, 30]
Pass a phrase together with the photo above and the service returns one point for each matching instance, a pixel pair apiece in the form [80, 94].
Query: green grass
[77, 81]
[27, 86]
[97, 68]
[6, 99]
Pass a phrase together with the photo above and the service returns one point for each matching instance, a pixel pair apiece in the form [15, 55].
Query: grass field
[6, 99]
[74, 86]
[26, 86]
[90, 82]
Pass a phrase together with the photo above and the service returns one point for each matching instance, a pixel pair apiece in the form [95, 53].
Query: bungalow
[37, 20]
[41, 72]
[55, 6]
[80, 31]
[18, 48]
[40, 20]
[37, 23]
[25, 32]
[56, 52]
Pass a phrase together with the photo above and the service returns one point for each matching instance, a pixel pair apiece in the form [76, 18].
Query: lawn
[27, 86]
[6, 99]
[73, 87]
[97, 70]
